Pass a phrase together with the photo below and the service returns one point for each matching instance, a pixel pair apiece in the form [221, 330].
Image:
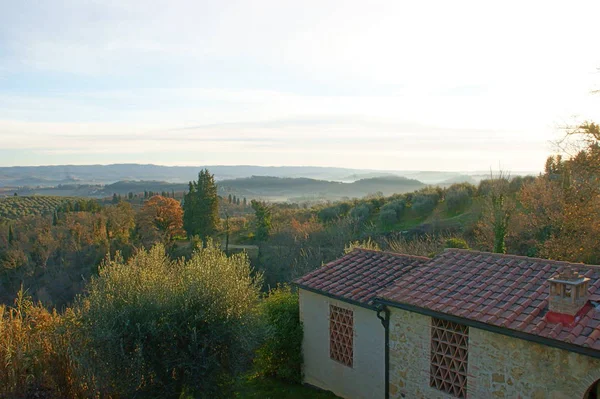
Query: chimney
[568, 292]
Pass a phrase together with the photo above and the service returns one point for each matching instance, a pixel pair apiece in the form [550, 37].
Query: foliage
[428, 245]
[366, 244]
[330, 213]
[155, 326]
[459, 197]
[391, 212]
[263, 217]
[120, 221]
[459, 243]
[79, 205]
[160, 219]
[201, 207]
[35, 352]
[280, 354]
[561, 209]
[360, 212]
[53, 260]
[493, 227]
[424, 201]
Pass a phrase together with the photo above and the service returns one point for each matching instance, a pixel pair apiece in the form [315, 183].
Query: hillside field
[18, 207]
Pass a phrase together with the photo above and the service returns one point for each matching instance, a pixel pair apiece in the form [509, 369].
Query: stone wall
[366, 378]
[499, 366]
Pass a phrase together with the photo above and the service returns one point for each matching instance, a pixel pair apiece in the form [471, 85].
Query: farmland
[17, 207]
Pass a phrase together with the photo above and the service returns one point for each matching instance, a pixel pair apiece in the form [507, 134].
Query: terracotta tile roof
[360, 275]
[502, 290]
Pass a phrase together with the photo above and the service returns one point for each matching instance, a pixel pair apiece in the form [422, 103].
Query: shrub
[360, 212]
[366, 244]
[156, 327]
[392, 211]
[423, 245]
[388, 217]
[330, 213]
[456, 243]
[423, 204]
[35, 353]
[459, 197]
[280, 355]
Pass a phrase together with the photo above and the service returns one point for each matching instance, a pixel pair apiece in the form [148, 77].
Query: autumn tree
[562, 207]
[201, 207]
[120, 220]
[499, 205]
[160, 218]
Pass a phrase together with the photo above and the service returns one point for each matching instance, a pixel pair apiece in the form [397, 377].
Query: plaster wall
[366, 378]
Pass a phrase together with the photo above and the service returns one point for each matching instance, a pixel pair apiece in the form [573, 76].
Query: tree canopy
[201, 207]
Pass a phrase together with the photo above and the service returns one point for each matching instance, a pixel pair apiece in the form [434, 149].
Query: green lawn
[264, 388]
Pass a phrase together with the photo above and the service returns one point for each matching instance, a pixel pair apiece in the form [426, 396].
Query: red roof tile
[503, 290]
[360, 275]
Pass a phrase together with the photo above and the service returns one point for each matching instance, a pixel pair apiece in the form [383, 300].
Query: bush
[392, 211]
[360, 212]
[35, 353]
[388, 217]
[158, 327]
[423, 204]
[366, 244]
[330, 213]
[459, 197]
[280, 355]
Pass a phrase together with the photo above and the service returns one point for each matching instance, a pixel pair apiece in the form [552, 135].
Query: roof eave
[336, 297]
[493, 328]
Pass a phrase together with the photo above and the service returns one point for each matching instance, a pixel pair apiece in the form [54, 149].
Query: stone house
[464, 324]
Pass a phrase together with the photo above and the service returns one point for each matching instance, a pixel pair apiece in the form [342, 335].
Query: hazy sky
[446, 85]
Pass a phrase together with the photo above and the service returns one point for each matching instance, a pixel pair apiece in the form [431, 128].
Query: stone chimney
[568, 292]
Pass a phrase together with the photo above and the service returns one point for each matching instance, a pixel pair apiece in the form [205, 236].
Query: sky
[391, 85]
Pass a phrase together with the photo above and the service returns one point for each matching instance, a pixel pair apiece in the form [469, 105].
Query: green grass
[253, 387]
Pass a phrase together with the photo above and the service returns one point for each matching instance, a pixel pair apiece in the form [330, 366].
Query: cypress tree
[11, 236]
[189, 210]
[263, 220]
[229, 198]
[54, 218]
[201, 207]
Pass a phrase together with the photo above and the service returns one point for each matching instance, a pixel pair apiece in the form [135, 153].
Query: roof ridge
[523, 257]
[396, 254]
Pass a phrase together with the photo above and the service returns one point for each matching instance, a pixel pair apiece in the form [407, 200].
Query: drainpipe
[385, 322]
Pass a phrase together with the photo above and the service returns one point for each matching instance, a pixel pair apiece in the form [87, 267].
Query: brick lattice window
[341, 335]
[449, 355]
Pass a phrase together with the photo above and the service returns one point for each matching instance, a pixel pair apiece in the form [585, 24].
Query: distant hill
[262, 186]
[105, 174]
[459, 179]
[48, 176]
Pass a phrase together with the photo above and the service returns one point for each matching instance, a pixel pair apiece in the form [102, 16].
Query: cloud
[381, 83]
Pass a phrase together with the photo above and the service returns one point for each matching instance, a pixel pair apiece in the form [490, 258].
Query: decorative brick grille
[449, 355]
[341, 335]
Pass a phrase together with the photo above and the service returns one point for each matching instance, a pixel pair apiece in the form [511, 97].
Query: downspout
[385, 322]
